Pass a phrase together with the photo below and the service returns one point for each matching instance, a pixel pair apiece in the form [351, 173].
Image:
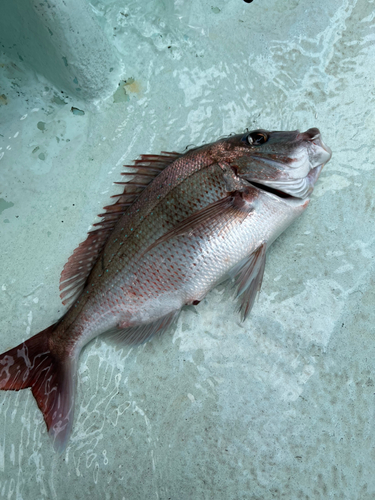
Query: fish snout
[319, 153]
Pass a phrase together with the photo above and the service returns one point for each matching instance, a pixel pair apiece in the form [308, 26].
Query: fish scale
[183, 224]
[199, 189]
[224, 241]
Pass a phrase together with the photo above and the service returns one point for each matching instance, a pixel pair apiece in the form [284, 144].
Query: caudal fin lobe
[52, 381]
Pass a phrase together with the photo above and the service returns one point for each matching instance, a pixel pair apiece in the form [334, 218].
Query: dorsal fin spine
[84, 257]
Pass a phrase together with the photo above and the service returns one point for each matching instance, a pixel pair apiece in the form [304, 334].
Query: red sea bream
[183, 224]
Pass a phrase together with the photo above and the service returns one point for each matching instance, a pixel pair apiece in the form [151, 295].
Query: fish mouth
[298, 189]
[295, 189]
[281, 196]
[271, 190]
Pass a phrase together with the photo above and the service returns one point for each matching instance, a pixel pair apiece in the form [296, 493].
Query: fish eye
[257, 138]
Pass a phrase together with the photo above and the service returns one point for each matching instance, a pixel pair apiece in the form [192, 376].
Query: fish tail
[52, 382]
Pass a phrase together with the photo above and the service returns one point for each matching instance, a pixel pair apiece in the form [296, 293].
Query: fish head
[288, 162]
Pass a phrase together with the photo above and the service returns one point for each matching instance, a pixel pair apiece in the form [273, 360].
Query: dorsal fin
[84, 257]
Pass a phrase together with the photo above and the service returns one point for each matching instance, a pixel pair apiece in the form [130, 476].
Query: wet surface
[281, 406]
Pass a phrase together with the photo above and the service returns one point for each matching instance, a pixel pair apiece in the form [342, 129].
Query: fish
[183, 223]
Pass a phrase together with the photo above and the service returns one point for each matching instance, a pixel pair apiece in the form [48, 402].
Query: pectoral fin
[248, 276]
[237, 205]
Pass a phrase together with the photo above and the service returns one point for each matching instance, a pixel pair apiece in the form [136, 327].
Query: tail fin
[52, 381]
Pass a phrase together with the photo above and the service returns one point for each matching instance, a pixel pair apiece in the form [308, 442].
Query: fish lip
[314, 136]
[327, 149]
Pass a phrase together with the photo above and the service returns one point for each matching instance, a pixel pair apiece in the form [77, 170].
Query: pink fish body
[183, 224]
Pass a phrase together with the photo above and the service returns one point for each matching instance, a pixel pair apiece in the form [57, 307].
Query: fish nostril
[311, 134]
